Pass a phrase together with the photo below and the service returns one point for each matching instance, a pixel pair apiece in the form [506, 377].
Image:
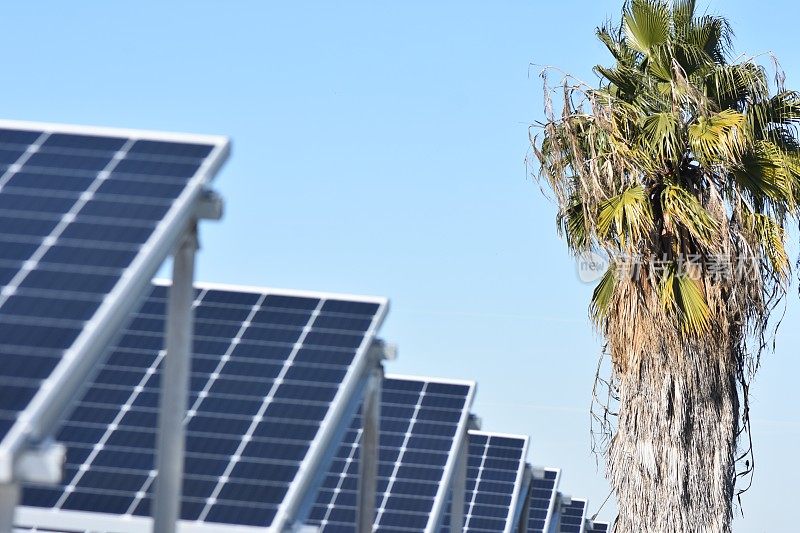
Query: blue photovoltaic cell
[419, 422]
[75, 211]
[494, 477]
[544, 487]
[572, 517]
[596, 527]
[266, 370]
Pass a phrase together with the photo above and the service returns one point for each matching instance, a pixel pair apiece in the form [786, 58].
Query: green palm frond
[768, 173]
[720, 137]
[600, 306]
[684, 296]
[660, 135]
[729, 85]
[572, 225]
[711, 34]
[682, 13]
[772, 238]
[622, 77]
[626, 216]
[621, 52]
[783, 109]
[646, 24]
[685, 209]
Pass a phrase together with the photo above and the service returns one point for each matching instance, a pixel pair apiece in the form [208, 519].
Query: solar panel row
[86, 217]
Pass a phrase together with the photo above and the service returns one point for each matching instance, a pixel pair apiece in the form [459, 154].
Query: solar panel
[276, 379]
[573, 516]
[496, 482]
[543, 499]
[87, 215]
[596, 527]
[423, 424]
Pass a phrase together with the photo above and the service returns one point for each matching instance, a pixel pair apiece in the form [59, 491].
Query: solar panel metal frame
[312, 470]
[521, 484]
[59, 388]
[459, 439]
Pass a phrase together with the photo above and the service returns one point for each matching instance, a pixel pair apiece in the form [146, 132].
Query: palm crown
[682, 157]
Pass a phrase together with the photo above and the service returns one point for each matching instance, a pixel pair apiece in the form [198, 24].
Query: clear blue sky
[378, 149]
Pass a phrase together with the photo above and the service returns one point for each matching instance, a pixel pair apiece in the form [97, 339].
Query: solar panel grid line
[268, 399]
[440, 500]
[21, 160]
[137, 390]
[326, 439]
[381, 507]
[209, 384]
[57, 389]
[543, 500]
[216, 309]
[474, 495]
[573, 516]
[405, 494]
[498, 482]
[11, 287]
[109, 431]
[521, 486]
[350, 459]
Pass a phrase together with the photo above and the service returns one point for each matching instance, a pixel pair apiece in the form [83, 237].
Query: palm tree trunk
[672, 460]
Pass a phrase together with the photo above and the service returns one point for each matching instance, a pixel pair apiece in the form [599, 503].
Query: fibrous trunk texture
[671, 462]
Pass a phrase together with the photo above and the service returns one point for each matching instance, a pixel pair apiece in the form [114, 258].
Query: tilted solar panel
[573, 516]
[276, 379]
[596, 527]
[87, 215]
[496, 483]
[423, 424]
[543, 499]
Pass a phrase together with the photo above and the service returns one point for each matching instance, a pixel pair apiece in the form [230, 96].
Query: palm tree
[683, 167]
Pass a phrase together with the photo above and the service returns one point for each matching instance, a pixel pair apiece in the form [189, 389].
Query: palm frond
[625, 216]
[600, 306]
[646, 24]
[720, 137]
[683, 296]
[660, 135]
[685, 209]
[572, 225]
[772, 238]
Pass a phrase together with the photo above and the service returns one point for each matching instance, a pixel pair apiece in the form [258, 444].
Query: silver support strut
[370, 443]
[175, 387]
[459, 488]
[9, 497]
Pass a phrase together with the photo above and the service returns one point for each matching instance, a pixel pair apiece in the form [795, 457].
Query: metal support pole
[459, 488]
[370, 444]
[9, 497]
[175, 387]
